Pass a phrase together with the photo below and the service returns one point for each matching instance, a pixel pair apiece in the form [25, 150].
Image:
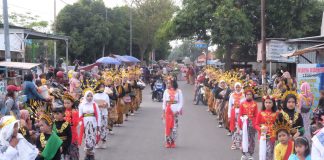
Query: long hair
[174, 84]
[274, 106]
[302, 141]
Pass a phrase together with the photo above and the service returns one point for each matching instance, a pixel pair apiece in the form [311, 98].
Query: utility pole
[6, 31]
[130, 29]
[263, 42]
[104, 46]
[54, 33]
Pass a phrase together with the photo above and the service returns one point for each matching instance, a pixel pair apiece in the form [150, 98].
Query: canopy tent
[18, 65]
[121, 59]
[131, 58]
[108, 60]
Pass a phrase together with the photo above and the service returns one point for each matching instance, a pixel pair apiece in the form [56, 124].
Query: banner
[314, 75]
[275, 51]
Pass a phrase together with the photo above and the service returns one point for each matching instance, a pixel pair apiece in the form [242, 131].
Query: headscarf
[7, 124]
[237, 84]
[306, 90]
[84, 99]
[286, 75]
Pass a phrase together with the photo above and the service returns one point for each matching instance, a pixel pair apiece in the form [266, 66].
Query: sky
[45, 8]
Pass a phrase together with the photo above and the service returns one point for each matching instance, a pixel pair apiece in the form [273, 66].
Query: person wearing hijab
[172, 107]
[89, 115]
[102, 99]
[13, 146]
[74, 82]
[233, 111]
[290, 115]
[306, 101]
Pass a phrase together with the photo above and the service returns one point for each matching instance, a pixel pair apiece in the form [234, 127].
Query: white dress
[178, 97]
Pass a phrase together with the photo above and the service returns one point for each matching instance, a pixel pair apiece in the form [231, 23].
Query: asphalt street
[141, 138]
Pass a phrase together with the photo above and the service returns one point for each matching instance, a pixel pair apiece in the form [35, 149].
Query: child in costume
[63, 130]
[301, 149]
[48, 142]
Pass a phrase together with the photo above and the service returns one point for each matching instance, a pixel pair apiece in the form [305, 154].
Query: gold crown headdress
[281, 126]
[88, 89]
[46, 118]
[68, 96]
[289, 92]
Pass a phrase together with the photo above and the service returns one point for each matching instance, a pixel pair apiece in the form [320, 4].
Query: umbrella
[122, 59]
[108, 60]
[131, 58]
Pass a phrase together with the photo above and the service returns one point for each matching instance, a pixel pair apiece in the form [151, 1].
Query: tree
[186, 49]
[150, 15]
[231, 29]
[85, 22]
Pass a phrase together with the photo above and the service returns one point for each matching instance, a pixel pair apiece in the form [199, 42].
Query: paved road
[141, 138]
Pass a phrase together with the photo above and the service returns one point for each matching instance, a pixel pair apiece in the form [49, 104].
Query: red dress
[72, 116]
[266, 118]
[237, 98]
[250, 109]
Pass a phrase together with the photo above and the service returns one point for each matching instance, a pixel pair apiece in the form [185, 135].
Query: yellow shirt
[280, 151]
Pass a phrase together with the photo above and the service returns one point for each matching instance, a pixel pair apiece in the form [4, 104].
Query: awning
[18, 65]
[305, 50]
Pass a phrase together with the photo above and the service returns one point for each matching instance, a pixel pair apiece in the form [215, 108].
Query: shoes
[244, 157]
[173, 145]
[111, 132]
[167, 145]
[132, 114]
[220, 126]
[229, 134]
[99, 145]
[250, 158]
[233, 147]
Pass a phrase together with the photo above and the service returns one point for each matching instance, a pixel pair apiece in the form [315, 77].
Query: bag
[127, 99]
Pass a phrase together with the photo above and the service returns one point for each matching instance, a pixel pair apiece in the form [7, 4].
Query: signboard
[314, 75]
[275, 50]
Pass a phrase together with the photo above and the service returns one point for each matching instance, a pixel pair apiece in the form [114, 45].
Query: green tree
[85, 22]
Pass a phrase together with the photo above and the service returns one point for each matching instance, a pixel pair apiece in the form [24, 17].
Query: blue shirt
[30, 91]
[294, 157]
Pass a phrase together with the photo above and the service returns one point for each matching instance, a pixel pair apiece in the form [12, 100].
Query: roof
[18, 65]
[317, 39]
[306, 50]
[32, 34]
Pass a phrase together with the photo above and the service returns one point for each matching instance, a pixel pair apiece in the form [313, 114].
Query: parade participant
[76, 94]
[132, 94]
[110, 90]
[127, 99]
[290, 115]
[89, 115]
[247, 116]
[13, 146]
[306, 101]
[72, 116]
[301, 149]
[172, 106]
[263, 124]
[43, 89]
[233, 115]
[228, 93]
[120, 92]
[48, 143]
[219, 96]
[11, 107]
[26, 127]
[74, 82]
[63, 130]
[318, 140]
[285, 146]
[102, 99]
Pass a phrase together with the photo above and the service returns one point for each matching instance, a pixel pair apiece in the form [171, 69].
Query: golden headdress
[47, 118]
[278, 126]
[68, 96]
[88, 89]
[289, 92]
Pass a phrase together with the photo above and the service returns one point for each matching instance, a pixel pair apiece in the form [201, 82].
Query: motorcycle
[200, 96]
[158, 90]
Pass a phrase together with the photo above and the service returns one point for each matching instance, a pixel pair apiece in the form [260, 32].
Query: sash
[169, 117]
[232, 120]
[53, 144]
[289, 150]
[245, 135]
[263, 147]
[82, 126]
